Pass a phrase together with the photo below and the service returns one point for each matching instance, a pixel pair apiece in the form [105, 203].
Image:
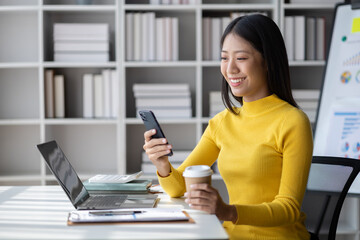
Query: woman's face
[244, 69]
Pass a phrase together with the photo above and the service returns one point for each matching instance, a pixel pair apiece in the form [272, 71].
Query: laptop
[76, 191]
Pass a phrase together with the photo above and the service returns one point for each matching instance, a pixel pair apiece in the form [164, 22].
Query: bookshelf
[114, 145]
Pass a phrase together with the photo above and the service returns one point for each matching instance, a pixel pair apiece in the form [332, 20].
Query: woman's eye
[223, 58]
[241, 58]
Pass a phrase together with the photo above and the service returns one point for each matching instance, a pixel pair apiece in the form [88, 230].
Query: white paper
[344, 132]
[146, 215]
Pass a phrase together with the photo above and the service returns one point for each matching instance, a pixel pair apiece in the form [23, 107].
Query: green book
[135, 186]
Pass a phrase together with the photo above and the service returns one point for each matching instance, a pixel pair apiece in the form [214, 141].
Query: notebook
[76, 191]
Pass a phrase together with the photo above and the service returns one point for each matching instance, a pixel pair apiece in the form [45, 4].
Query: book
[216, 32]
[170, 112]
[151, 42]
[156, 102]
[168, 41]
[206, 34]
[114, 178]
[306, 94]
[149, 168]
[137, 185]
[149, 94]
[107, 102]
[161, 87]
[299, 36]
[49, 94]
[289, 36]
[129, 28]
[81, 28]
[320, 38]
[59, 96]
[144, 40]
[178, 156]
[175, 39]
[137, 37]
[310, 38]
[311, 115]
[88, 96]
[81, 46]
[308, 105]
[81, 57]
[224, 23]
[98, 96]
[114, 94]
[160, 39]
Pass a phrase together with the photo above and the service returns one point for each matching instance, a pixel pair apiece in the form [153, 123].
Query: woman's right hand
[156, 149]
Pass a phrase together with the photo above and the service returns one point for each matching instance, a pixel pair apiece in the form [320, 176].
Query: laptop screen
[64, 172]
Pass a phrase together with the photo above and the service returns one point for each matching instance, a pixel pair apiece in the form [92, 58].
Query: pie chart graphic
[356, 147]
[357, 77]
[345, 146]
[345, 77]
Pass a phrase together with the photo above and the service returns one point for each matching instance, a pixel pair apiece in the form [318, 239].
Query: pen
[110, 213]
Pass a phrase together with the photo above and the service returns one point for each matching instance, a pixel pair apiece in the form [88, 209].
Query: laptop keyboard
[99, 201]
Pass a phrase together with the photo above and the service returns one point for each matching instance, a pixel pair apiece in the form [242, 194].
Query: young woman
[264, 148]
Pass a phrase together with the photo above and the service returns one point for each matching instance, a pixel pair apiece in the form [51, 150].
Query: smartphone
[150, 122]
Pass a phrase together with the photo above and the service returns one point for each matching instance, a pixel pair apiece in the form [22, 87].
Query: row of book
[317, 1]
[174, 2]
[54, 86]
[308, 100]
[101, 94]
[81, 42]
[304, 37]
[165, 100]
[213, 28]
[176, 160]
[149, 38]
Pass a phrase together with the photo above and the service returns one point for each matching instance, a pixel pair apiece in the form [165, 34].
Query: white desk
[40, 212]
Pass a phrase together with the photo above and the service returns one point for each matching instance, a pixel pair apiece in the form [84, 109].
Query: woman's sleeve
[297, 144]
[205, 153]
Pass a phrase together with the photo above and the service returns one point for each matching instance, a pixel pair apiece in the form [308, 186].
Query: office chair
[329, 181]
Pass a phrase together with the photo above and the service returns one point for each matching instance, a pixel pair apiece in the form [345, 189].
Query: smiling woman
[244, 69]
[263, 149]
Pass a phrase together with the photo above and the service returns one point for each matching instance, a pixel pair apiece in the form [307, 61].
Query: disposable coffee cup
[197, 174]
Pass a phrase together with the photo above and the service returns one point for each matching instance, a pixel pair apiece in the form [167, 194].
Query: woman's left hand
[206, 198]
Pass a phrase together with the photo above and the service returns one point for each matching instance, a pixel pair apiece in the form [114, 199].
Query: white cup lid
[198, 171]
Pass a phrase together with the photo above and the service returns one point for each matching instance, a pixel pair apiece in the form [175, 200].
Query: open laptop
[76, 191]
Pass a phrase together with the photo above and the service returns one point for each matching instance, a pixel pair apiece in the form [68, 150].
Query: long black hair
[265, 36]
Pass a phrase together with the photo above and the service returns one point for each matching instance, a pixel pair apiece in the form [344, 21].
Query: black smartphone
[150, 122]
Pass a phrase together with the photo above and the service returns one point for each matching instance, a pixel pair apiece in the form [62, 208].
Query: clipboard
[141, 216]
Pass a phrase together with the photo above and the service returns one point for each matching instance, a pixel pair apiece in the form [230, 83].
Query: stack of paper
[308, 100]
[176, 160]
[81, 42]
[101, 94]
[151, 39]
[165, 100]
[54, 95]
[216, 104]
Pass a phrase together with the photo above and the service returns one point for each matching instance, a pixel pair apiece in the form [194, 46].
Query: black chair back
[329, 181]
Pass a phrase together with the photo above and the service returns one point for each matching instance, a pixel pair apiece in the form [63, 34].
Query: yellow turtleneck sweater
[264, 155]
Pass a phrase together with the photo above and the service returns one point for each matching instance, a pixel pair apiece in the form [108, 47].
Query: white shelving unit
[112, 146]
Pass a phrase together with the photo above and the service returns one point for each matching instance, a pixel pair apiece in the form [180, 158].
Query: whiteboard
[337, 131]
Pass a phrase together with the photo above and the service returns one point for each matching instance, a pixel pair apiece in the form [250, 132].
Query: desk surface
[40, 212]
